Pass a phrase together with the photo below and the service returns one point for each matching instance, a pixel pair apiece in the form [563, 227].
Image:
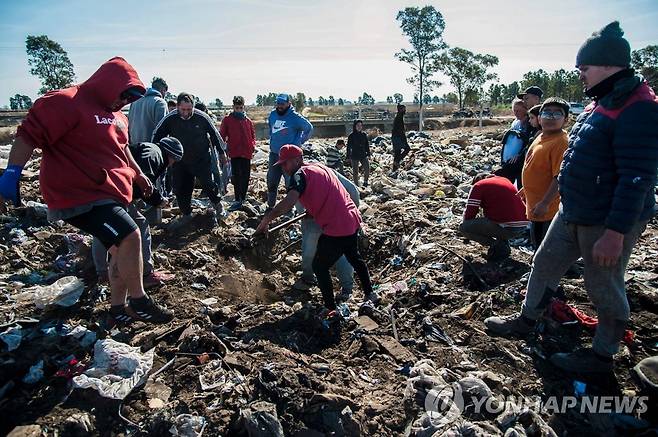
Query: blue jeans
[274, 174]
[311, 232]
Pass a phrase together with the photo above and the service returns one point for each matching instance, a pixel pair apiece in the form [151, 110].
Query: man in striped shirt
[504, 215]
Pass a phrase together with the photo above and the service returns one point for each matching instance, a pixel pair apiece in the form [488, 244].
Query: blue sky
[223, 48]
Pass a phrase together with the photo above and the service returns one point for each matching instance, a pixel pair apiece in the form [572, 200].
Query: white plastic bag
[117, 369]
[64, 292]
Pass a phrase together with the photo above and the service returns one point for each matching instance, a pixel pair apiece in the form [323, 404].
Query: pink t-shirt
[326, 200]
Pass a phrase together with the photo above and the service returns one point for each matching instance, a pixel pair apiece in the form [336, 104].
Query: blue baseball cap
[282, 99]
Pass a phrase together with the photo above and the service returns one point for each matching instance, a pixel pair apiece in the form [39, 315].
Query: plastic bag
[64, 292]
[12, 337]
[117, 369]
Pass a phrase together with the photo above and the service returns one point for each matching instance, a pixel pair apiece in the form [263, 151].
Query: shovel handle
[281, 226]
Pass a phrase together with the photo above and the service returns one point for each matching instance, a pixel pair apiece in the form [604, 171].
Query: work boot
[499, 252]
[344, 295]
[147, 310]
[583, 360]
[514, 324]
[219, 209]
[303, 285]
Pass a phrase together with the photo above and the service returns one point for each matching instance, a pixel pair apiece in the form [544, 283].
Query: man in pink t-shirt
[318, 189]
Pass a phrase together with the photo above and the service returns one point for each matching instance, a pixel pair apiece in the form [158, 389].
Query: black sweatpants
[184, 177]
[241, 172]
[538, 231]
[330, 249]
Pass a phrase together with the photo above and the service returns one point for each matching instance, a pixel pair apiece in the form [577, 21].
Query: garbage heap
[247, 355]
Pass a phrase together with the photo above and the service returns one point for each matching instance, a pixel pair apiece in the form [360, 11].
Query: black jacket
[153, 162]
[398, 126]
[358, 146]
[609, 170]
[195, 134]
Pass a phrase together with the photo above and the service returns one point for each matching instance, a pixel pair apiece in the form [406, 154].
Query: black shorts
[109, 223]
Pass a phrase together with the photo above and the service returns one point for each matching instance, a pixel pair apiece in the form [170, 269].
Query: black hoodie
[358, 146]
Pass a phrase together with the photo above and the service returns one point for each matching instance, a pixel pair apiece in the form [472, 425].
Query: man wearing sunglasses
[87, 173]
[606, 185]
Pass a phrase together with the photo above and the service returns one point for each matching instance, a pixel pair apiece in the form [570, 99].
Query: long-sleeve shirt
[398, 126]
[144, 116]
[197, 134]
[499, 200]
[334, 157]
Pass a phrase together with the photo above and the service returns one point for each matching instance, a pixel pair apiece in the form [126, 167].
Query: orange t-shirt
[541, 167]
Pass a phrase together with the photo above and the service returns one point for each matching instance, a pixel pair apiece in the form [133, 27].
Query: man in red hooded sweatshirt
[87, 173]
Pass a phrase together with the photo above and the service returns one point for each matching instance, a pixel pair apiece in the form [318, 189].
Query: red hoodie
[239, 135]
[82, 140]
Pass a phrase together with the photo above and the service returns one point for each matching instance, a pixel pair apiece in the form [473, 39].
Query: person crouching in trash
[318, 189]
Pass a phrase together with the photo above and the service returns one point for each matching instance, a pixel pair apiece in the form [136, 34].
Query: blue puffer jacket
[608, 173]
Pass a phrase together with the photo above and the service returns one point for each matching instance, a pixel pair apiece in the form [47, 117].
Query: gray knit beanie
[605, 47]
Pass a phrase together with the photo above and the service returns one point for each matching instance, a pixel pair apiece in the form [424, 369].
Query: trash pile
[247, 355]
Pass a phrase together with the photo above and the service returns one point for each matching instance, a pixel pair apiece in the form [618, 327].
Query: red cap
[288, 152]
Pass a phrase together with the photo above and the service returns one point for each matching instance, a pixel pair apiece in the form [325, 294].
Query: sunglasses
[550, 115]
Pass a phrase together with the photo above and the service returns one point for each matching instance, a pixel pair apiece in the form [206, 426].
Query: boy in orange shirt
[542, 166]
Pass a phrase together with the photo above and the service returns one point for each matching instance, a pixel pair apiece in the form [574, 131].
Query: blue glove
[9, 183]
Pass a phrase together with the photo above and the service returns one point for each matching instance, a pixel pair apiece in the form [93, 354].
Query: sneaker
[156, 279]
[179, 222]
[302, 285]
[583, 360]
[344, 295]
[118, 316]
[372, 297]
[514, 324]
[235, 206]
[147, 310]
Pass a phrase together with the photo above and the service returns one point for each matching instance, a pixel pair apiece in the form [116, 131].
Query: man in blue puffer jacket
[607, 184]
[287, 126]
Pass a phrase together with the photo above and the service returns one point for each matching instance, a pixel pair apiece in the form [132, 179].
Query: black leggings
[330, 249]
[109, 223]
[185, 176]
[241, 171]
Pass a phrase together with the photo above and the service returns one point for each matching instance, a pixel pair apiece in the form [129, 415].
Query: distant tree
[310, 102]
[540, 78]
[322, 101]
[645, 62]
[49, 62]
[451, 98]
[331, 101]
[495, 94]
[389, 99]
[416, 100]
[427, 99]
[299, 101]
[424, 29]
[219, 103]
[259, 100]
[366, 99]
[398, 98]
[169, 96]
[20, 102]
[436, 100]
[467, 70]
[341, 102]
[510, 92]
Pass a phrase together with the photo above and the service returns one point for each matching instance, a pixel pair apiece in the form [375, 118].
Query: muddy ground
[342, 380]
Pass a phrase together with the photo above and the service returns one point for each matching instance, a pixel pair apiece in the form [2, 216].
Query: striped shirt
[334, 157]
